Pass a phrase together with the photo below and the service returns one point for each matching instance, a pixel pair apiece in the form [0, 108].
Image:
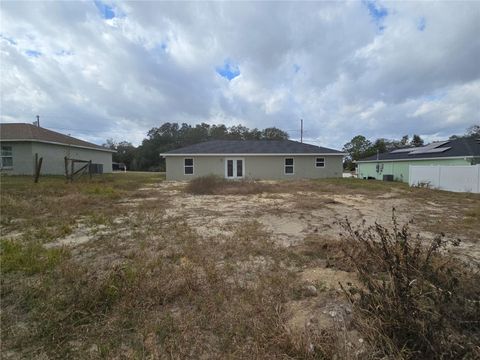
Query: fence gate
[85, 169]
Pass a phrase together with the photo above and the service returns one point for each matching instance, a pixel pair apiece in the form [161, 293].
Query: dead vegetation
[129, 266]
[415, 300]
[216, 185]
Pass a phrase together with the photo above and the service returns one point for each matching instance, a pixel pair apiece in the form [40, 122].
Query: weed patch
[30, 258]
[415, 301]
[215, 185]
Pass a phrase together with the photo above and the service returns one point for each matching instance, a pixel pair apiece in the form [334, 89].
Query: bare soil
[239, 242]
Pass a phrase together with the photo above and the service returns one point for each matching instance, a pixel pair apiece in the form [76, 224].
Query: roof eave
[413, 159]
[253, 154]
[59, 143]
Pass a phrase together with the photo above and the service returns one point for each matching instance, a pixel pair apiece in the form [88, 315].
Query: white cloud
[325, 62]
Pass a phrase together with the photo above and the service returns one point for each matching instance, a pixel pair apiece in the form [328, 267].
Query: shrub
[415, 301]
[205, 185]
[216, 185]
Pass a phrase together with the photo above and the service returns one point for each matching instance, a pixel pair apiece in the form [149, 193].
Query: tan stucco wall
[257, 167]
[22, 158]
[53, 157]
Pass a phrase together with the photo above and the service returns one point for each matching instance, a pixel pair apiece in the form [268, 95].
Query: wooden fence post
[66, 167]
[38, 167]
[72, 168]
[35, 166]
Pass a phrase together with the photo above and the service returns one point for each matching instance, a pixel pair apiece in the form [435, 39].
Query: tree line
[360, 147]
[171, 136]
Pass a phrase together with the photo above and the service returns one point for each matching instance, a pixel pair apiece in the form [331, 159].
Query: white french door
[234, 168]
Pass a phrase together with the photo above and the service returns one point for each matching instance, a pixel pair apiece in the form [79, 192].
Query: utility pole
[38, 120]
[301, 130]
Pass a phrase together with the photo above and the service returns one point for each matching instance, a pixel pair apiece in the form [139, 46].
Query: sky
[103, 69]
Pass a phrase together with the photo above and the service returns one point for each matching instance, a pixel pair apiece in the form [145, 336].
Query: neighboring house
[20, 143]
[253, 159]
[463, 151]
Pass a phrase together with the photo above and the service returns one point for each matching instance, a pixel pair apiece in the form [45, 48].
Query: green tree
[124, 153]
[238, 132]
[382, 145]
[218, 132]
[473, 131]
[357, 147]
[273, 133]
[416, 140]
[254, 134]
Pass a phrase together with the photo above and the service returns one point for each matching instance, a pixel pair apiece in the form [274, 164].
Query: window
[289, 166]
[234, 168]
[239, 168]
[188, 167]
[6, 160]
[319, 162]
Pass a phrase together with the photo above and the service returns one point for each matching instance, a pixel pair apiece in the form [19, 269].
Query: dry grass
[215, 185]
[147, 284]
[230, 304]
[312, 203]
[415, 299]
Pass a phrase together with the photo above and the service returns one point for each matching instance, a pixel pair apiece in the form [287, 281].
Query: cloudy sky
[107, 69]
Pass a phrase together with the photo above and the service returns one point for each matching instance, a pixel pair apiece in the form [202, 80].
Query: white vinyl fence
[451, 178]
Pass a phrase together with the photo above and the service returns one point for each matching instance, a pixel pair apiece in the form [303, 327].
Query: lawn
[132, 266]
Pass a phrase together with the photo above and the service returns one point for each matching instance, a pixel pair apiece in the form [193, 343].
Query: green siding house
[464, 151]
[254, 159]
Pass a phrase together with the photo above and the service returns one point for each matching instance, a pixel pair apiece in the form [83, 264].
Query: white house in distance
[20, 142]
[254, 159]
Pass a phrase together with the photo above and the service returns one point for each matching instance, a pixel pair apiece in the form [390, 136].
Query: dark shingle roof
[252, 147]
[29, 132]
[442, 149]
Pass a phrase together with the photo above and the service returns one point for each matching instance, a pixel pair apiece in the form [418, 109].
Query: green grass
[29, 258]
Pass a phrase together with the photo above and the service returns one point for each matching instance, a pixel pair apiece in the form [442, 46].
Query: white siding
[451, 178]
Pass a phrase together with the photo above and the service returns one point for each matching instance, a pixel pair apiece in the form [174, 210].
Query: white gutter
[258, 154]
[416, 159]
[57, 143]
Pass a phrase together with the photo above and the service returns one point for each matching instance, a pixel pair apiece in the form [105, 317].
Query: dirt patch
[328, 278]
[287, 230]
[319, 312]
[81, 235]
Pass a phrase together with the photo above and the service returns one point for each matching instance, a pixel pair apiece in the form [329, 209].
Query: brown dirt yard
[132, 266]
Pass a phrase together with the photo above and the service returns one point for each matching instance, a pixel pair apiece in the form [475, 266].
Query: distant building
[20, 142]
[395, 164]
[254, 159]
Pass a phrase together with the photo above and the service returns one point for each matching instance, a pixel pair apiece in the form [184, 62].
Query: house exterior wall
[400, 169]
[21, 157]
[257, 167]
[53, 157]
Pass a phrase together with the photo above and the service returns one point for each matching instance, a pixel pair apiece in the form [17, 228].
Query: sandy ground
[289, 218]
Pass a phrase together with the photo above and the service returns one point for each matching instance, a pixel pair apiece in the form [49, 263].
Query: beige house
[253, 159]
[21, 142]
